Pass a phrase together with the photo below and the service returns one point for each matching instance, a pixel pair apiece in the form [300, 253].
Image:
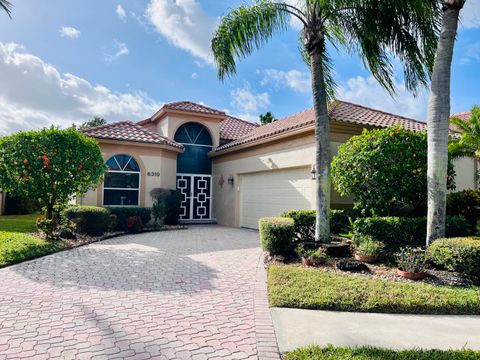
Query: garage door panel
[272, 192]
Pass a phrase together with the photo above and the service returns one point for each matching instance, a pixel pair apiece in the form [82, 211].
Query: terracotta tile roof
[233, 128]
[340, 111]
[463, 116]
[192, 107]
[128, 131]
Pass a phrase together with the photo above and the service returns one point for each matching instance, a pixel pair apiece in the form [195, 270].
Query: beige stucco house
[229, 170]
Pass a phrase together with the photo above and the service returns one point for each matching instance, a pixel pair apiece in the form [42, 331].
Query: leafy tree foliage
[50, 165]
[96, 121]
[267, 118]
[385, 171]
[468, 143]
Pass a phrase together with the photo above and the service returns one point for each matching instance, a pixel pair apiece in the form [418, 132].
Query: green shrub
[412, 260]
[384, 170]
[397, 232]
[21, 205]
[89, 220]
[366, 246]
[318, 256]
[467, 204]
[276, 235]
[171, 200]
[340, 221]
[123, 213]
[457, 254]
[304, 221]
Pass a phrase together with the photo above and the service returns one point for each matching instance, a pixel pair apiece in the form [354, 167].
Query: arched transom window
[122, 181]
[198, 143]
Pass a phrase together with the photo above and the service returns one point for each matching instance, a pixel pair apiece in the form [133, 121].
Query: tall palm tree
[438, 120]
[468, 143]
[373, 29]
[6, 6]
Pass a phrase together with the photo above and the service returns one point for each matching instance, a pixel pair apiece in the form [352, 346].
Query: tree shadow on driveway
[170, 261]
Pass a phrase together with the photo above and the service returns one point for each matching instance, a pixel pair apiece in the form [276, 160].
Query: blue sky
[68, 61]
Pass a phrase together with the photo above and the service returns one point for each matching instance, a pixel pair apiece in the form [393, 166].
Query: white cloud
[295, 23]
[470, 15]
[194, 76]
[184, 24]
[293, 79]
[122, 14]
[70, 32]
[473, 53]
[122, 49]
[34, 94]
[248, 104]
[367, 92]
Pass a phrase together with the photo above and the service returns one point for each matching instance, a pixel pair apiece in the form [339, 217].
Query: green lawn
[306, 288]
[369, 353]
[18, 223]
[18, 241]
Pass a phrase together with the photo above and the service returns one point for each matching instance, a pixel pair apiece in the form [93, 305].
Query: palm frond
[468, 142]
[379, 29]
[246, 29]
[6, 6]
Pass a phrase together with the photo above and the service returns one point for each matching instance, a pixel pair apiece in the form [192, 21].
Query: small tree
[96, 121]
[384, 170]
[50, 165]
[267, 118]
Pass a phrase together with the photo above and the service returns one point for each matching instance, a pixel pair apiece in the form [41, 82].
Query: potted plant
[312, 257]
[412, 263]
[367, 250]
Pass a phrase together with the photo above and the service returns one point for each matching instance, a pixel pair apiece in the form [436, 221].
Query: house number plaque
[153, 173]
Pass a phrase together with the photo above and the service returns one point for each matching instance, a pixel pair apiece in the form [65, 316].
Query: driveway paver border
[267, 347]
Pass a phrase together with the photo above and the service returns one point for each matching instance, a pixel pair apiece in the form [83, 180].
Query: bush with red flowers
[134, 224]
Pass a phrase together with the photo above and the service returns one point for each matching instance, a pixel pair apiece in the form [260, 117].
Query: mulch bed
[383, 271]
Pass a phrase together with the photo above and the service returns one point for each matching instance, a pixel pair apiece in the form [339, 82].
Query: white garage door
[272, 192]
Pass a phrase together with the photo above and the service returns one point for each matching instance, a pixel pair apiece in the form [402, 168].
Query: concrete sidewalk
[296, 328]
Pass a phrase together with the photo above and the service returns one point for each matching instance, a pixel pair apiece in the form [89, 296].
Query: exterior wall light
[230, 180]
[313, 172]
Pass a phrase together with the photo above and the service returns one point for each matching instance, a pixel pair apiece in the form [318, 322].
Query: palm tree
[438, 120]
[468, 143]
[373, 29]
[6, 6]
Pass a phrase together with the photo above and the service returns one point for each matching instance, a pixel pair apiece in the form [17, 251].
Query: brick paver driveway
[185, 294]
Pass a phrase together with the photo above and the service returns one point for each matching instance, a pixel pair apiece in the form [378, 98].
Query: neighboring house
[229, 170]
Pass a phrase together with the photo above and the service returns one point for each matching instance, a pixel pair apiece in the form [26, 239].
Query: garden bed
[367, 353]
[327, 288]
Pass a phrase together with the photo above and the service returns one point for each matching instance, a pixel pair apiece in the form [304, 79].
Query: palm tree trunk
[323, 151]
[439, 120]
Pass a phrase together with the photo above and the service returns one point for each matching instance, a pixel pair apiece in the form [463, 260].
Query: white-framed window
[121, 186]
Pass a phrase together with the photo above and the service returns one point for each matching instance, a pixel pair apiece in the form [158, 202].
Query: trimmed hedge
[123, 213]
[90, 220]
[467, 204]
[304, 221]
[397, 232]
[276, 235]
[458, 254]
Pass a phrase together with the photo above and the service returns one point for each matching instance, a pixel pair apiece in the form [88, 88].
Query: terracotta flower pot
[308, 262]
[366, 259]
[412, 276]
